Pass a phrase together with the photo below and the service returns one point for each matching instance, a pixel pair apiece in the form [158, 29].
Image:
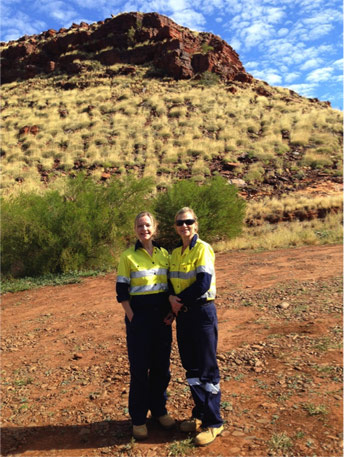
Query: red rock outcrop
[129, 38]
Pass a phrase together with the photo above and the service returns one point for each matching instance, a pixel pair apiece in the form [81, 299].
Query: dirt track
[65, 373]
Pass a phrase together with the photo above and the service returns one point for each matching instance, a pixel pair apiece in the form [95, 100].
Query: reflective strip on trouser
[207, 386]
[197, 342]
[149, 347]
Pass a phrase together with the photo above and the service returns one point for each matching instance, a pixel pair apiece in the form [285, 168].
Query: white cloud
[189, 18]
[307, 90]
[338, 64]
[208, 7]
[290, 77]
[177, 5]
[320, 75]
[282, 32]
[236, 44]
[251, 65]
[20, 25]
[273, 15]
[269, 76]
[324, 17]
[311, 63]
[234, 6]
[314, 33]
[256, 33]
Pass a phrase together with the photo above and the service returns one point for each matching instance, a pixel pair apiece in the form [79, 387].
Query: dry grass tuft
[168, 124]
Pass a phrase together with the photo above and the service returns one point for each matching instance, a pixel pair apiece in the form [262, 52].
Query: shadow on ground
[87, 436]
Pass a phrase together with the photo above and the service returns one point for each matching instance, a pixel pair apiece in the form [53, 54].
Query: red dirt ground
[65, 371]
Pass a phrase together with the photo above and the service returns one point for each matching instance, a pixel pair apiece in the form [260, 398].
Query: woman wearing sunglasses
[192, 294]
[142, 290]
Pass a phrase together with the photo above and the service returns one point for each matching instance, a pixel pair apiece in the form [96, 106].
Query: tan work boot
[191, 425]
[208, 435]
[140, 432]
[166, 421]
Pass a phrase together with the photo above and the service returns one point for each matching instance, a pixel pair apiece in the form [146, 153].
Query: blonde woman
[142, 290]
[192, 294]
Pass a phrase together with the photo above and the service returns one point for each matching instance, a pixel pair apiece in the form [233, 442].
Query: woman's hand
[130, 314]
[128, 311]
[169, 318]
[176, 304]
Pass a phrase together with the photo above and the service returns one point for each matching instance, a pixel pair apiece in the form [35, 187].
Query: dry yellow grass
[128, 120]
[287, 234]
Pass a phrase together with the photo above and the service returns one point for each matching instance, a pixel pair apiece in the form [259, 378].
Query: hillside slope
[139, 94]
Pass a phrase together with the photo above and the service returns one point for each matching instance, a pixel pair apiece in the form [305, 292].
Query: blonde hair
[184, 210]
[150, 215]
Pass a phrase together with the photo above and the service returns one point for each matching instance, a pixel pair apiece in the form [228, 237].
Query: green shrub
[84, 228]
[208, 79]
[219, 210]
[206, 48]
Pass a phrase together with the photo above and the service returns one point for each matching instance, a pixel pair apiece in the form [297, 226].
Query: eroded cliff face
[130, 38]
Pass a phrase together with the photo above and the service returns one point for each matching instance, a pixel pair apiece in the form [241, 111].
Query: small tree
[219, 209]
[85, 227]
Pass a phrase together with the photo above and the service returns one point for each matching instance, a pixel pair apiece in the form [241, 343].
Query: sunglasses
[181, 222]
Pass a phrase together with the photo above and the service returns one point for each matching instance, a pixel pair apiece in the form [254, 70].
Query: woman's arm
[127, 308]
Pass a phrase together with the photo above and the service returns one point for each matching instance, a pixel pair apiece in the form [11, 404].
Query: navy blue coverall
[192, 279]
[142, 280]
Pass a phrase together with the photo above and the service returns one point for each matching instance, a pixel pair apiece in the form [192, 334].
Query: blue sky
[290, 43]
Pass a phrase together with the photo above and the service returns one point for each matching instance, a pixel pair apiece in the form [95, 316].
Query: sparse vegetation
[287, 234]
[280, 442]
[181, 448]
[315, 410]
[110, 115]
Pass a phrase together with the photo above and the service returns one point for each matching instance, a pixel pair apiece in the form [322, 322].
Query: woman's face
[144, 228]
[185, 230]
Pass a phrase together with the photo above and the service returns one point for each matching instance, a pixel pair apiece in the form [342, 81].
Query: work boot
[166, 421]
[208, 435]
[140, 432]
[191, 425]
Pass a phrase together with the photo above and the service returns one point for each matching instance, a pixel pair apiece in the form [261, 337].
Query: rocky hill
[137, 93]
[130, 38]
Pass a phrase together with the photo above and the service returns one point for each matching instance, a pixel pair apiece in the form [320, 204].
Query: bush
[84, 228]
[219, 210]
[89, 224]
[208, 79]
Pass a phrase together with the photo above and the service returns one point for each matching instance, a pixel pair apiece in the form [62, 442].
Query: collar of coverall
[192, 242]
[139, 245]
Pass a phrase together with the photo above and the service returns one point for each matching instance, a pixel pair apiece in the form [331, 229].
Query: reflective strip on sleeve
[152, 272]
[182, 274]
[210, 295]
[123, 279]
[208, 386]
[148, 288]
[205, 269]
